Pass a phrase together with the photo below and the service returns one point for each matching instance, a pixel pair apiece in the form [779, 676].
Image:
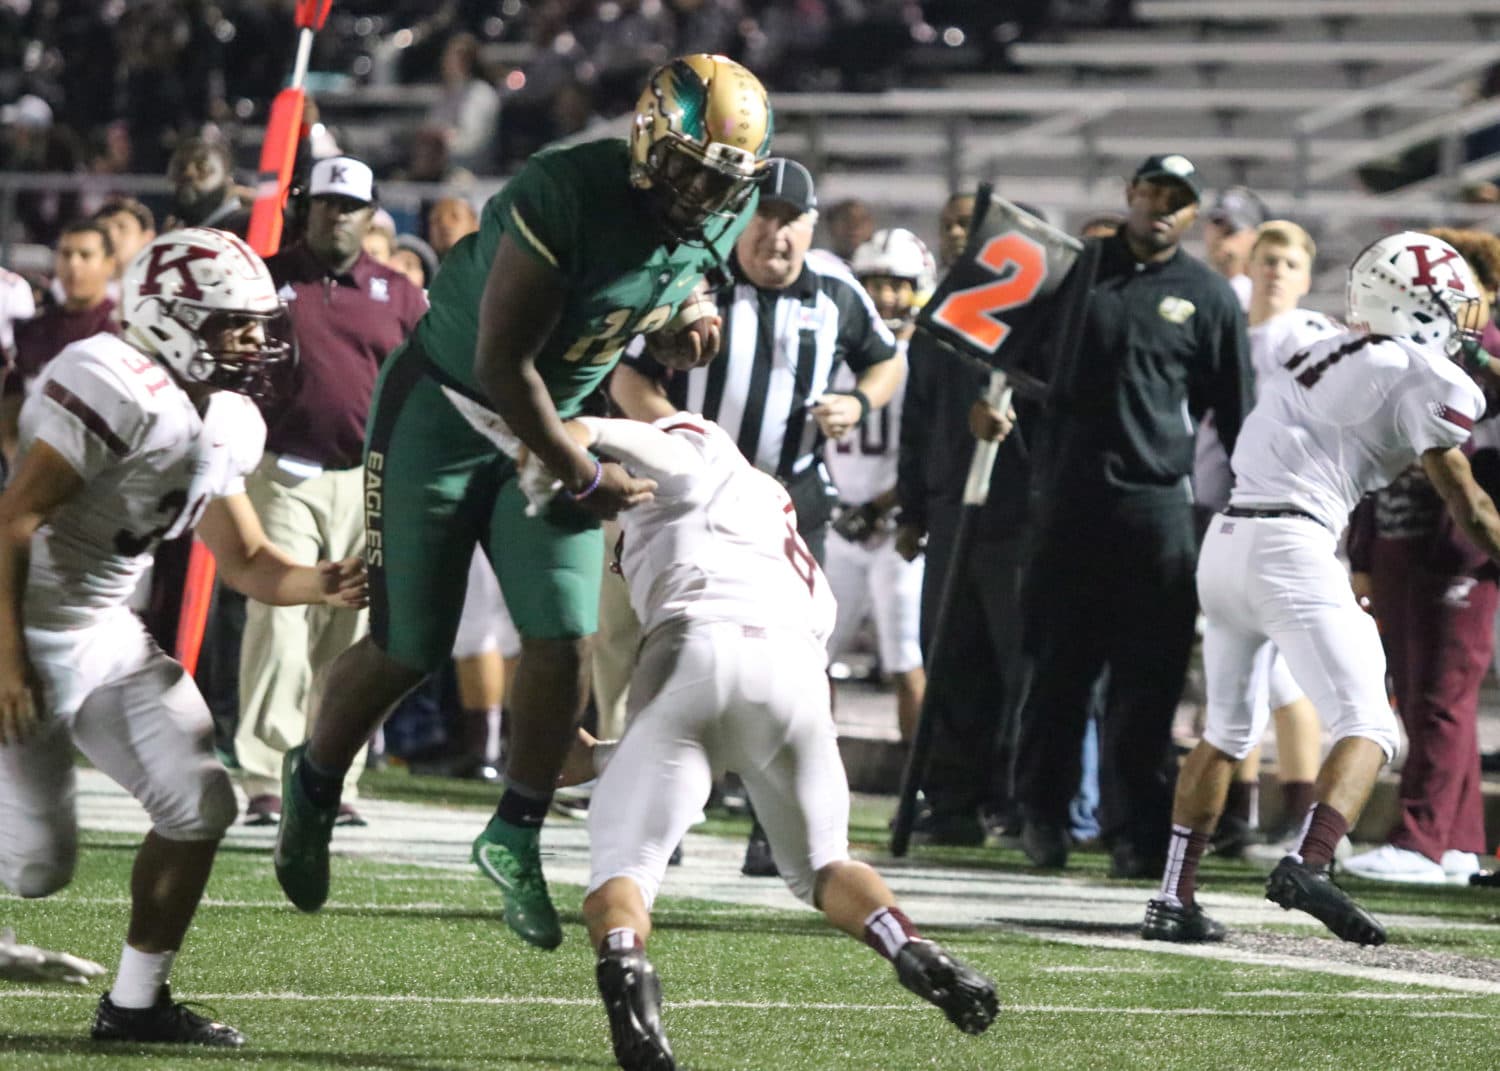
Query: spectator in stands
[380, 239]
[84, 264]
[469, 108]
[1229, 233]
[414, 259]
[1435, 595]
[33, 143]
[850, 225]
[347, 314]
[131, 228]
[1111, 585]
[203, 192]
[448, 220]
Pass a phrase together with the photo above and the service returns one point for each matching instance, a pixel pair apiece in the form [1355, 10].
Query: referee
[791, 318]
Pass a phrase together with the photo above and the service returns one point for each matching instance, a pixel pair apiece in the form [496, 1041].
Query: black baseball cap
[1171, 167]
[787, 180]
[1238, 209]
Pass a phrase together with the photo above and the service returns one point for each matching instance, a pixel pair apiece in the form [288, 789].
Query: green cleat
[511, 857]
[301, 854]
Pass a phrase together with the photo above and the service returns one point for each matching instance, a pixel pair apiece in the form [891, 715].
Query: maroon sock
[1180, 879]
[1325, 828]
[1296, 798]
[1240, 803]
[887, 929]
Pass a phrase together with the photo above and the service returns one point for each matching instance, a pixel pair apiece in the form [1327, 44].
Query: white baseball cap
[342, 176]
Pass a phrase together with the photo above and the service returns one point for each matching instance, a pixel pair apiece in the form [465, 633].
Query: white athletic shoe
[1458, 866]
[1390, 863]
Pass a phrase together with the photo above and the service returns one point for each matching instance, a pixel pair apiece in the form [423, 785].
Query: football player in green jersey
[586, 247]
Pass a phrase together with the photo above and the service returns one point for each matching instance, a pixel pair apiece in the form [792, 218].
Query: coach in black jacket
[1111, 586]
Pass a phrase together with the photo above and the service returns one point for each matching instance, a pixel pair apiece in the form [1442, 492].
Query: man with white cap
[347, 313]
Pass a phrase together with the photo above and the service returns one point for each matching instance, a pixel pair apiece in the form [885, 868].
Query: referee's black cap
[1171, 167]
[787, 180]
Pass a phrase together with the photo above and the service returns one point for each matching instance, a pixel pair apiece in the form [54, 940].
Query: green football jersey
[575, 209]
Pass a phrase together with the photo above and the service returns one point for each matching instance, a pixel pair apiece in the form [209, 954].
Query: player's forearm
[880, 382]
[1480, 521]
[268, 576]
[15, 563]
[521, 398]
[645, 450]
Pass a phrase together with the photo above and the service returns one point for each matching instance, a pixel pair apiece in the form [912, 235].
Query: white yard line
[1221, 954]
[1302, 1011]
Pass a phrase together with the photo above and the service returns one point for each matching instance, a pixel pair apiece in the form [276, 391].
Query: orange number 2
[1021, 264]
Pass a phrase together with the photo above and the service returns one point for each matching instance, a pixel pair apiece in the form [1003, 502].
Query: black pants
[976, 681]
[1111, 589]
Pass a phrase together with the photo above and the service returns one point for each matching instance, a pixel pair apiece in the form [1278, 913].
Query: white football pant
[878, 580]
[714, 696]
[137, 716]
[1265, 581]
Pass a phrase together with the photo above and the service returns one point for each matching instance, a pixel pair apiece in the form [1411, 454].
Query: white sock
[140, 977]
[621, 939]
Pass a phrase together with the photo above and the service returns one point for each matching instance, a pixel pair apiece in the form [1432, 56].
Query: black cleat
[1231, 837]
[966, 997]
[1166, 921]
[632, 998]
[164, 1021]
[758, 860]
[1045, 843]
[1311, 889]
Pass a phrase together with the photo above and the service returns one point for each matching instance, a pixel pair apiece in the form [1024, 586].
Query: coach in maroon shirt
[347, 313]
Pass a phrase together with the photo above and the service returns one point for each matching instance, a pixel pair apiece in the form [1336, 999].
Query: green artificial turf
[409, 968]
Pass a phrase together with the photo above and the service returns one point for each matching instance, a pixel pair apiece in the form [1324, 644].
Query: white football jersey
[150, 464]
[863, 464]
[16, 304]
[719, 543]
[1343, 418]
[1274, 341]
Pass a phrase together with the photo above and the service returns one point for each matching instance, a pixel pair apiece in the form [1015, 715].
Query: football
[674, 345]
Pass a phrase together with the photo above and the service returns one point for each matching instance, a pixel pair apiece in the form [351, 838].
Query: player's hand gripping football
[19, 711]
[345, 584]
[691, 338]
[28, 963]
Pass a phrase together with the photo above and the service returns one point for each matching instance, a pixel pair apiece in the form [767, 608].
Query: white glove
[537, 483]
[27, 963]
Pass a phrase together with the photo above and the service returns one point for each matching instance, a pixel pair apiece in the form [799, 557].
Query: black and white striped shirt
[780, 350]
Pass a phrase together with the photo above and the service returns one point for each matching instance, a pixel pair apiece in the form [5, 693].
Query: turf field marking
[1353, 994]
[1264, 959]
[1300, 1012]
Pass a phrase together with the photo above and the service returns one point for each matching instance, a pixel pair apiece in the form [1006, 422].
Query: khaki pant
[286, 647]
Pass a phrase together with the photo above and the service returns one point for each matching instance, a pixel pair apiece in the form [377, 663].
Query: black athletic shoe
[1231, 837]
[1166, 921]
[966, 997]
[632, 997]
[758, 861]
[164, 1021]
[1311, 889]
[1128, 862]
[1045, 843]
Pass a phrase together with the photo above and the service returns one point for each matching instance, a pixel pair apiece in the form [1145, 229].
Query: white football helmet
[1415, 286]
[897, 253]
[181, 292]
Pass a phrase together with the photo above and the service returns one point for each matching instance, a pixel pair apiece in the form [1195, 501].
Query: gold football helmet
[700, 141]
